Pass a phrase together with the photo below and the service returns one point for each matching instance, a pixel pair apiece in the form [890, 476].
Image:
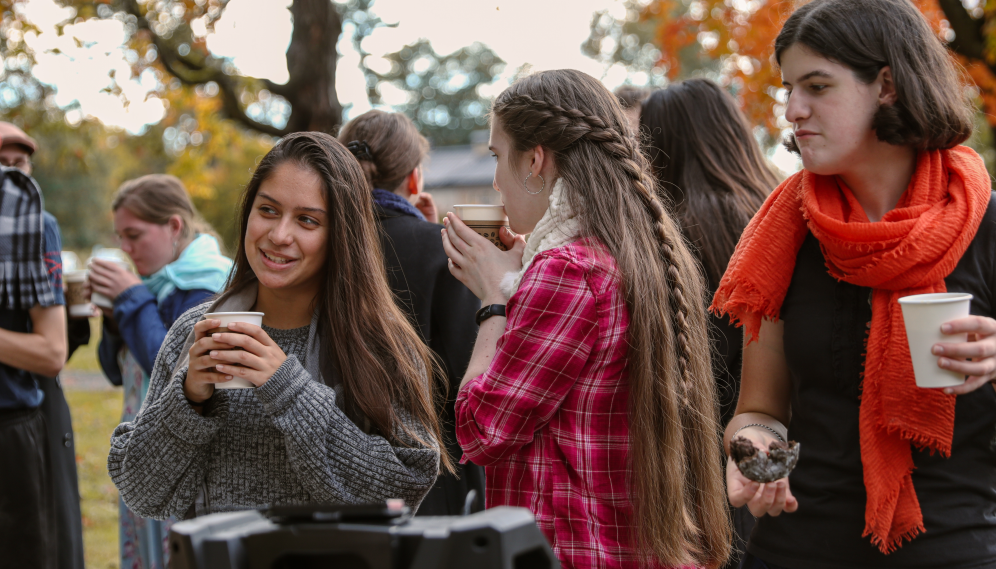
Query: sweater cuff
[280, 391]
[181, 419]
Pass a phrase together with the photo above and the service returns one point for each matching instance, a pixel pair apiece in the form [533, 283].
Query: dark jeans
[65, 486]
[27, 513]
[751, 562]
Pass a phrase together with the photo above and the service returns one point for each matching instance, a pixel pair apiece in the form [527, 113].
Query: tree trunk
[311, 64]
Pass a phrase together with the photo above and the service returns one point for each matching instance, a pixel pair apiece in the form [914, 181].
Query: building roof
[459, 166]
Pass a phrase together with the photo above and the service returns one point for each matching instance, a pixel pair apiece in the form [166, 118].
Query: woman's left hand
[110, 279]
[260, 355]
[476, 262]
[427, 206]
[975, 358]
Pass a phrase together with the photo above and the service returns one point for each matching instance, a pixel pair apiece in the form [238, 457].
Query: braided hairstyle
[676, 484]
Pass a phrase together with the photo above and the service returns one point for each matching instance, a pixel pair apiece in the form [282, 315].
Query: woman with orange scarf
[888, 205]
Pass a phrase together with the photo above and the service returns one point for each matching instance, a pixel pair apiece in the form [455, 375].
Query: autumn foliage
[741, 35]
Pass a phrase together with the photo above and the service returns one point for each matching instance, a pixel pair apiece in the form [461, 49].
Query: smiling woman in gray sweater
[341, 410]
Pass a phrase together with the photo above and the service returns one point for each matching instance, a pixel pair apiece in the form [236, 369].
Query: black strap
[488, 311]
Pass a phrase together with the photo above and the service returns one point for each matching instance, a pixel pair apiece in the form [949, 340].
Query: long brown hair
[931, 110]
[395, 146]
[676, 482]
[369, 343]
[158, 197]
[708, 166]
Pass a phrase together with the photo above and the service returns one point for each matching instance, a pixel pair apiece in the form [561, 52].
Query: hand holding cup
[947, 344]
[108, 279]
[975, 358]
[256, 357]
[201, 374]
[476, 262]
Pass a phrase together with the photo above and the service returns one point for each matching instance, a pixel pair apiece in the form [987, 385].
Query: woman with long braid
[589, 397]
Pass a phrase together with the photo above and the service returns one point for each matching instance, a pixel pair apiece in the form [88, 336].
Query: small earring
[540, 191]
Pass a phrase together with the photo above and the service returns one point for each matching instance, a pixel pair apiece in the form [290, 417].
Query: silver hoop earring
[540, 191]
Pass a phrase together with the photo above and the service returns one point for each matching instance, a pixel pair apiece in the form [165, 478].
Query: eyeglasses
[20, 163]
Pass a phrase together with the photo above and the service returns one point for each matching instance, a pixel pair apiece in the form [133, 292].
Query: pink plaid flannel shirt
[549, 419]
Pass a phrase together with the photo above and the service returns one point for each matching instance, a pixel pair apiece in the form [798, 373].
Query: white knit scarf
[558, 227]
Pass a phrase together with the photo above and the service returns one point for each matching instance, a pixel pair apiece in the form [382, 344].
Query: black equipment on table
[378, 536]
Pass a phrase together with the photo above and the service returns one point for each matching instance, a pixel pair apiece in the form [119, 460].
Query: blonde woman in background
[179, 266]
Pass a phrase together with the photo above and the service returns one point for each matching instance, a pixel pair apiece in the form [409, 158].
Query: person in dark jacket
[16, 150]
[179, 266]
[32, 345]
[714, 175]
[391, 150]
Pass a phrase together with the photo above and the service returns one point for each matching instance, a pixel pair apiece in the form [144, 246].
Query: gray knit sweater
[286, 442]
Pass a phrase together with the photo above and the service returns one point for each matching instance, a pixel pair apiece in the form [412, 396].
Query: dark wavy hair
[369, 344]
[676, 484]
[708, 165]
[931, 111]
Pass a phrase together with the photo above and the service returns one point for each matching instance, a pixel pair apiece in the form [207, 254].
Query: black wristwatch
[488, 311]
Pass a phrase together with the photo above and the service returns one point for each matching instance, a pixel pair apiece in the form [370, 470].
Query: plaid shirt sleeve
[53, 256]
[549, 335]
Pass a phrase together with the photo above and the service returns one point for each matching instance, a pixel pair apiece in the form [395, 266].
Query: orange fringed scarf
[910, 251]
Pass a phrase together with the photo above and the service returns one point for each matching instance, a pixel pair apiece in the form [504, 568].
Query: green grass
[95, 414]
[85, 357]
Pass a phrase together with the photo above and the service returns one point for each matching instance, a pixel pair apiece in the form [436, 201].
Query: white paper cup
[486, 220]
[96, 297]
[923, 315]
[76, 303]
[255, 318]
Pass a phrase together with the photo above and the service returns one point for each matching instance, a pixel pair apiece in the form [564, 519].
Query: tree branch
[284, 90]
[969, 33]
[192, 72]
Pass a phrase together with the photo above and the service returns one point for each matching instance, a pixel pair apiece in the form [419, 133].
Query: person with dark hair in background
[631, 98]
[589, 396]
[888, 205]
[32, 345]
[180, 265]
[16, 150]
[341, 406]
[391, 151]
[711, 171]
